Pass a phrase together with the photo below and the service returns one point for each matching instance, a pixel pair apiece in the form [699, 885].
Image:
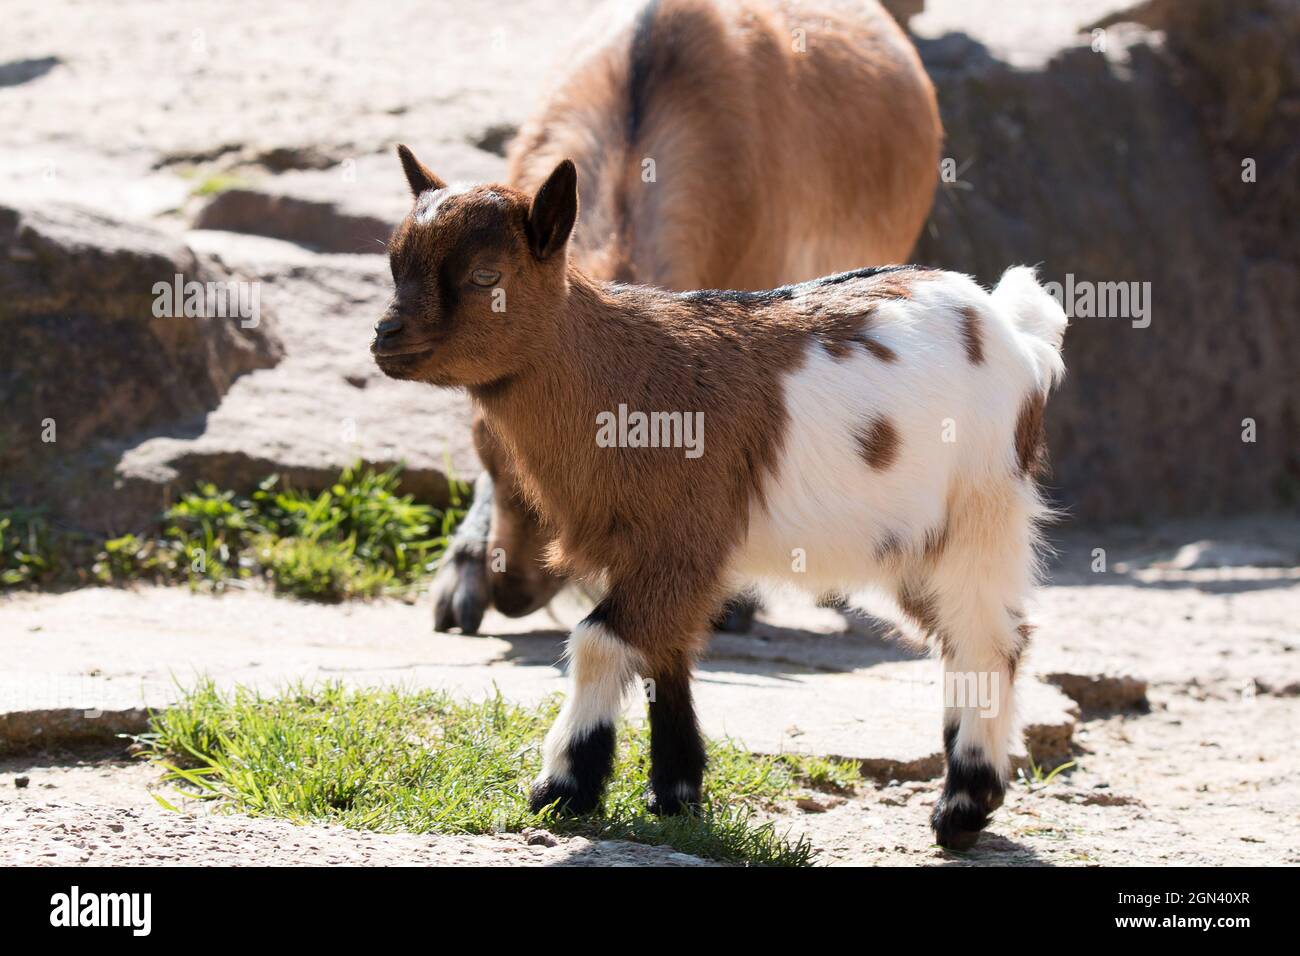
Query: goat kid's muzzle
[389, 341]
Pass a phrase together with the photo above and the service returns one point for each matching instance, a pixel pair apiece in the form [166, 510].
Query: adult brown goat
[720, 145]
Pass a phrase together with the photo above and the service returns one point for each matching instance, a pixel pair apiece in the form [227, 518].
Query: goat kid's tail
[1036, 314]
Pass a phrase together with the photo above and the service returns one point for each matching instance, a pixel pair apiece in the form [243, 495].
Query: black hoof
[959, 817]
[568, 797]
[460, 592]
[737, 616]
[672, 799]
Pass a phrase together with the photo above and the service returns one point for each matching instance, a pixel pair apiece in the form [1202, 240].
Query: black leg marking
[590, 759]
[737, 615]
[971, 792]
[676, 747]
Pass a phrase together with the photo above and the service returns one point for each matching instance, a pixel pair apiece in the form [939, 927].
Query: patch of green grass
[1036, 778]
[423, 762]
[217, 183]
[29, 550]
[359, 538]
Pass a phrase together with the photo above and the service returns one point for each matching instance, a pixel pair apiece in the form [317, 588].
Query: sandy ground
[1208, 774]
[100, 813]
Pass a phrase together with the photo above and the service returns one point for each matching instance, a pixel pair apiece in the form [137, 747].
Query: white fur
[601, 667]
[824, 504]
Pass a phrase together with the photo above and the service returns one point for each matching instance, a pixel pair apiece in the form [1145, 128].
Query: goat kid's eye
[485, 277]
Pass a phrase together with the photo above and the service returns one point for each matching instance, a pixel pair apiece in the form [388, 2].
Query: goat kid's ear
[554, 211]
[418, 175]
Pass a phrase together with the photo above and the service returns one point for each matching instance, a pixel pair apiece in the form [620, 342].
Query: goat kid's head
[479, 274]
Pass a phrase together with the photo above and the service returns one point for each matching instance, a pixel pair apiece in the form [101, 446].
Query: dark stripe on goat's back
[880, 282]
[869, 272]
[646, 64]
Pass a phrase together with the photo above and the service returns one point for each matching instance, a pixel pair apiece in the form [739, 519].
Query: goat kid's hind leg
[981, 640]
[979, 708]
[979, 670]
[578, 752]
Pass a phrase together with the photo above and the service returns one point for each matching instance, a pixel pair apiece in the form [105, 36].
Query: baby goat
[875, 431]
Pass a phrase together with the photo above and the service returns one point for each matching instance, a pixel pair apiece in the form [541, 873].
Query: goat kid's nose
[388, 326]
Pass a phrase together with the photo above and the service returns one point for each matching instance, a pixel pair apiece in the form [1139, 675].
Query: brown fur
[569, 348]
[755, 158]
[753, 147]
[971, 335]
[879, 443]
[920, 605]
[936, 540]
[1031, 450]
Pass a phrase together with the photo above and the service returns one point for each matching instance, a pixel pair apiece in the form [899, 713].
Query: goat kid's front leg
[676, 747]
[460, 587]
[578, 752]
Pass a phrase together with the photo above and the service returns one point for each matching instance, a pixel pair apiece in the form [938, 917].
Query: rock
[88, 359]
[1102, 693]
[326, 305]
[535, 837]
[1227, 554]
[1126, 166]
[811, 805]
[320, 224]
[22, 782]
[887, 717]
[24, 731]
[337, 209]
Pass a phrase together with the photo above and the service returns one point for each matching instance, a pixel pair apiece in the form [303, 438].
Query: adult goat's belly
[864, 468]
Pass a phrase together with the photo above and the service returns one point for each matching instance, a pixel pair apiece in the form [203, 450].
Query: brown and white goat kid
[875, 430]
[721, 145]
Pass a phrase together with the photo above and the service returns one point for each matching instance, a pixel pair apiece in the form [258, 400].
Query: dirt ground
[1208, 773]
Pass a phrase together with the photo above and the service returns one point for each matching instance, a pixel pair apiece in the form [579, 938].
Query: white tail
[1037, 314]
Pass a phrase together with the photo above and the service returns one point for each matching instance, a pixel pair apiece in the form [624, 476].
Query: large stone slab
[351, 207]
[834, 688]
[322, 407]
[92, 353]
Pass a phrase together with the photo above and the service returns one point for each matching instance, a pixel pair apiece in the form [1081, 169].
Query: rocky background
[254, 143]
[1126, 164]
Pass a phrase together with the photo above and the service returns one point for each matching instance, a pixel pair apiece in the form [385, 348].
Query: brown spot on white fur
[1031, 452]
[878, 349]
[971, 335]
[919, 604]
[878, 443]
